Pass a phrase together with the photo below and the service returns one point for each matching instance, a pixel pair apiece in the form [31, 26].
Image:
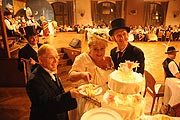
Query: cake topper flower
[132, 65]
[128, 66]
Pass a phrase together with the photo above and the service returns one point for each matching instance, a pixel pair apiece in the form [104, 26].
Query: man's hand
[32, 62]
[75, 93]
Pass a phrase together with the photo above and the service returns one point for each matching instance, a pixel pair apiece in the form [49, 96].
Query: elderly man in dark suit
[124, 51]
[49, 101]
[29, 51]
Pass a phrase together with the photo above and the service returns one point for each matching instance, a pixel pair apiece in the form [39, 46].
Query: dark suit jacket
[26, 52]
[48, 100]
[131, 53]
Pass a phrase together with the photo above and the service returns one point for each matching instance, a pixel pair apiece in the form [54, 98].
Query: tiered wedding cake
[124, 94]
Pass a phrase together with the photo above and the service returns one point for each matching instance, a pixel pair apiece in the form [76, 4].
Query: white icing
[131, 83]
[124, 95]
[129, 107]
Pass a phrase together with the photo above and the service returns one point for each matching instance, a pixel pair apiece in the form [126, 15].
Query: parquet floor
[15, 105]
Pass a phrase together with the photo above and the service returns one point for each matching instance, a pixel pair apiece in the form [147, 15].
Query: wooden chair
[27, 69]
[160, 35]
[155, 90]
[168, 35]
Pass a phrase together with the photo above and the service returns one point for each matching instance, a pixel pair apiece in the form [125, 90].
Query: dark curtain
[63, 13]
[118, 9]
[147, 14]
[94, 11]
[164, 10]
[70, 12]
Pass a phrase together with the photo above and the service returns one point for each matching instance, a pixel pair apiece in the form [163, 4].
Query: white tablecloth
[172, 91]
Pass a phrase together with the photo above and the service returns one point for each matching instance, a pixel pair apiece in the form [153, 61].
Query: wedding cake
[124, 94]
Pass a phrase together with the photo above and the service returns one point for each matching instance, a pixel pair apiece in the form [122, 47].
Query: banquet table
[172, 91]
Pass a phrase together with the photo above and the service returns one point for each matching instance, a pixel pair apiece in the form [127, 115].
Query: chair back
[168, 35]
[27, 68]
[160, 34]
[150, 81]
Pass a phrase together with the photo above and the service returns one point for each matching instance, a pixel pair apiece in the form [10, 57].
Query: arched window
[155, 13]
[63, 12]
[105, 12]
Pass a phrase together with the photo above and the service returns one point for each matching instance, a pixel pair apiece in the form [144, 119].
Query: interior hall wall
[18, 5]
[172, 7]
[137, 18]
[83, 5]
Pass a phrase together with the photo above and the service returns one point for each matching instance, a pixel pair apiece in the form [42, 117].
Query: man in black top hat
[170, 66]
[29, 51]
[124, 51]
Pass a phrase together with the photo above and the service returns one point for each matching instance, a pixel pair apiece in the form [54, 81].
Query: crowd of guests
[15, 25]
[137, 32]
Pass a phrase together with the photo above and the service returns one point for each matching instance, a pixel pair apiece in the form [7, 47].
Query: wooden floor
[15, 105]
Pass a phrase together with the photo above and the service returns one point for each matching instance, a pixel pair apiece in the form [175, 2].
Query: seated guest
[93, 66]
[22, 28]
[170, 66]
[48, 99]
[29, 51]
[10, 25]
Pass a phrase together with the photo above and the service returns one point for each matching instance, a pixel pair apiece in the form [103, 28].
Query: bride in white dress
[92, 66]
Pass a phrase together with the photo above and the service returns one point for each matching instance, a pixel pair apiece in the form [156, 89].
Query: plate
[101, 114]
[83, 92]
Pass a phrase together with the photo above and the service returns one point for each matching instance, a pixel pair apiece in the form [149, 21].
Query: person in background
[124, 50]
[48, 99]
[9, 8]
[44, 25]
[171, 68]
[22, 19]
[10, 25]
[22, 28]
[33, 22]
[94, 67]
[41, 19]
[29, 51]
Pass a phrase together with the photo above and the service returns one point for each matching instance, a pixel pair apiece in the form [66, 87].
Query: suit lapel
[31, 49]
[58, 81]
[48, 80]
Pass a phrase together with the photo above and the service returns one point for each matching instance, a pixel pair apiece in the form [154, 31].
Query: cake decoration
[128, 66]
[124, 95]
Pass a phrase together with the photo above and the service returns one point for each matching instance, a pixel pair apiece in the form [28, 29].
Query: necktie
[58, 82]
[119, 54]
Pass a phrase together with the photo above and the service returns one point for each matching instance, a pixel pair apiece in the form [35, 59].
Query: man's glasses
[51, 58]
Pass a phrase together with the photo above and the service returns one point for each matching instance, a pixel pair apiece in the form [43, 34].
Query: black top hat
[171, 50]
[30, 31]
[118, 24]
